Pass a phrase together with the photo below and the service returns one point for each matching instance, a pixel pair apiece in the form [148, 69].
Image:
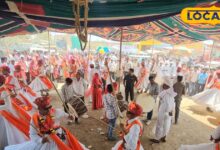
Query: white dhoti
[144, 83]
[164, 119]
[163, 125]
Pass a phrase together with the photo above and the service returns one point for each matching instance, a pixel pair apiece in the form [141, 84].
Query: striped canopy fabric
[169, 30]
[140, 21]
[33, 16]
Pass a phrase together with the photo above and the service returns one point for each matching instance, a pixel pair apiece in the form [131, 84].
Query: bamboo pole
[89, 47]
[121, 40]
[204, 49]
[7, 47]
[152, 51]
[48, 36]
[210, 60]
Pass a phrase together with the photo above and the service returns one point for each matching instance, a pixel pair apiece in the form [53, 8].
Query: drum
[146, 101]
[123, 105]
[119, 96]
[78, 105]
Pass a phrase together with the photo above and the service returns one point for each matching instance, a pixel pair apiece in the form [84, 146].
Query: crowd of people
[29, 120]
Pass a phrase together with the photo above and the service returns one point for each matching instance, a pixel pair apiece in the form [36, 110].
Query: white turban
[180, 74]
[168, 81]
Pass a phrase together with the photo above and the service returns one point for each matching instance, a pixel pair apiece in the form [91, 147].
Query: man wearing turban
[166, 107]
[132, 131]
[46, 133]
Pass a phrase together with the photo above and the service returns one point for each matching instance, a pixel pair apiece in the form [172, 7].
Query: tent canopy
[33, 16]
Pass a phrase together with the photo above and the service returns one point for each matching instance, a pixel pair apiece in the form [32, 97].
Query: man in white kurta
[91, 73]
[127, 64]
[166, 107]
[142, 78]
[215, 138]
[79, 88]
[67, 90]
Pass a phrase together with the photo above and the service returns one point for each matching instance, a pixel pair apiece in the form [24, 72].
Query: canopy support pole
[121, 40]
[152, 56]
[210, 60]
[203, 55]
[6, 46]
[48, 36]
[89, 47]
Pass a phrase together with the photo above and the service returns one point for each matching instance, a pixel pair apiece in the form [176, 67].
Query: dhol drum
[146, 101]
[122, 104]
[79, 105]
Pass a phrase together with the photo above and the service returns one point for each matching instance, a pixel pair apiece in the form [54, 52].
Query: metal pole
[120, 59]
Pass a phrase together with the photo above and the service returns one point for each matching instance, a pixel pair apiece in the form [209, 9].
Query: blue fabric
[111, 127]
[202, 78]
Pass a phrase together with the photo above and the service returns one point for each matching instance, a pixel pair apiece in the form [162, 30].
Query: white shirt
[79, 87]
[165, 70]
[110, 105]
[92, 71]
[167, 103]
[127, 66]
[133, 136]
[6, 97]
[67, 92]
[12, 69]
[112, 66]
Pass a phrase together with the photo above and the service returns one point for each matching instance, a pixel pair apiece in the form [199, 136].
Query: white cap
[180, 74]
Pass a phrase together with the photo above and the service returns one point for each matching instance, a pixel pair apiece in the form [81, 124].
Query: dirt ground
[195, 126]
